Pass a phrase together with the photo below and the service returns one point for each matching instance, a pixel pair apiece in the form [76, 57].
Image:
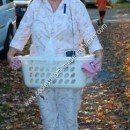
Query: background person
[102, 6]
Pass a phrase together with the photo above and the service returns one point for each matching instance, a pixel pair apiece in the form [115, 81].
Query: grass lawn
[4, 107]
[125, 5]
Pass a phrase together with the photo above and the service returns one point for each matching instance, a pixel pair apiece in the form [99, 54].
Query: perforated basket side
[37, 71]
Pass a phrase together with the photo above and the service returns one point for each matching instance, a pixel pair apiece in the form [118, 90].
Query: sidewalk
[112, 15]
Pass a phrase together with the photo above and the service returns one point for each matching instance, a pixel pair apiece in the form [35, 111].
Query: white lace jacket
[57, 28]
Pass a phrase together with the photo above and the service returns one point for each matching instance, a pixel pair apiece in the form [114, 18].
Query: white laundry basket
[36, 70]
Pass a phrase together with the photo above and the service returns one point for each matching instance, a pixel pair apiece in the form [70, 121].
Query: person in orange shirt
[102, 6]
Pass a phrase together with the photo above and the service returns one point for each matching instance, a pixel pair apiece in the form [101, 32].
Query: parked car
[7, 25]
[89, 3]
[21, 7]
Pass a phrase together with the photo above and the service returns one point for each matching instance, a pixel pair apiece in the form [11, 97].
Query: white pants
[59, 108]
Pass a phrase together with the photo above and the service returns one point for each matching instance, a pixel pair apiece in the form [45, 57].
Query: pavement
[112, 15]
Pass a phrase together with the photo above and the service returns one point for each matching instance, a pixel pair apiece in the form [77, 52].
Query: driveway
[112, 15]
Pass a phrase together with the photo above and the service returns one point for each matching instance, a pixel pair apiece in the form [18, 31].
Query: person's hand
[11, 54]
[14, 62]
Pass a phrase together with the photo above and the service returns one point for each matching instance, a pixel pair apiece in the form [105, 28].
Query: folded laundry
[91, 68]
[15, 63]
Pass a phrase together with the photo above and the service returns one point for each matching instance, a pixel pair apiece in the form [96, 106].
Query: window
[1, 2]
[8, 1]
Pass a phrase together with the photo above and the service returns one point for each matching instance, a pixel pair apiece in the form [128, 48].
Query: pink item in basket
[15, 63]
[91, 68]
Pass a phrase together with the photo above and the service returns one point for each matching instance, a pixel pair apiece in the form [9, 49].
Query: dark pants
[102, 14]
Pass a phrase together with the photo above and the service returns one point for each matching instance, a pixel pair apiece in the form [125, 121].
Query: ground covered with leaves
[105, 105]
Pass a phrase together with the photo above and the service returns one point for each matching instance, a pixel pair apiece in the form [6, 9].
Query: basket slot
[42, 81]
[60, 81]
[67, 81]
[37, 75]
[72, 75]
[31, 81]
[30, 68]
[42, 75]
[55, 81]
[73, 81]
[61, 74]
[48, 75]
[31, 74]
[36, 68]
[66, 69]
[53, 69]
[42, 69]
[47, 69]
[36, 81]
[66, 75]
[72, 69]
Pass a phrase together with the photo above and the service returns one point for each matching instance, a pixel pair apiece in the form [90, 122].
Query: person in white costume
[63, 24]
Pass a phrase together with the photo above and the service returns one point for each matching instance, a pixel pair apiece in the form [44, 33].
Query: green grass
[6, 89]
[1, 119]
[3, 109]
[125, 5]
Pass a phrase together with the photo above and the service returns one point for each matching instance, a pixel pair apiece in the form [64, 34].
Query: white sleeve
[24, 31]
[87, 30]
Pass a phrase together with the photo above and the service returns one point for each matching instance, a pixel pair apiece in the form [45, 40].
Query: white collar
[49, 6]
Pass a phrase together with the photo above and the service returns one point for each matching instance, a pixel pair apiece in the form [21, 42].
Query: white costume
[60, 107]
